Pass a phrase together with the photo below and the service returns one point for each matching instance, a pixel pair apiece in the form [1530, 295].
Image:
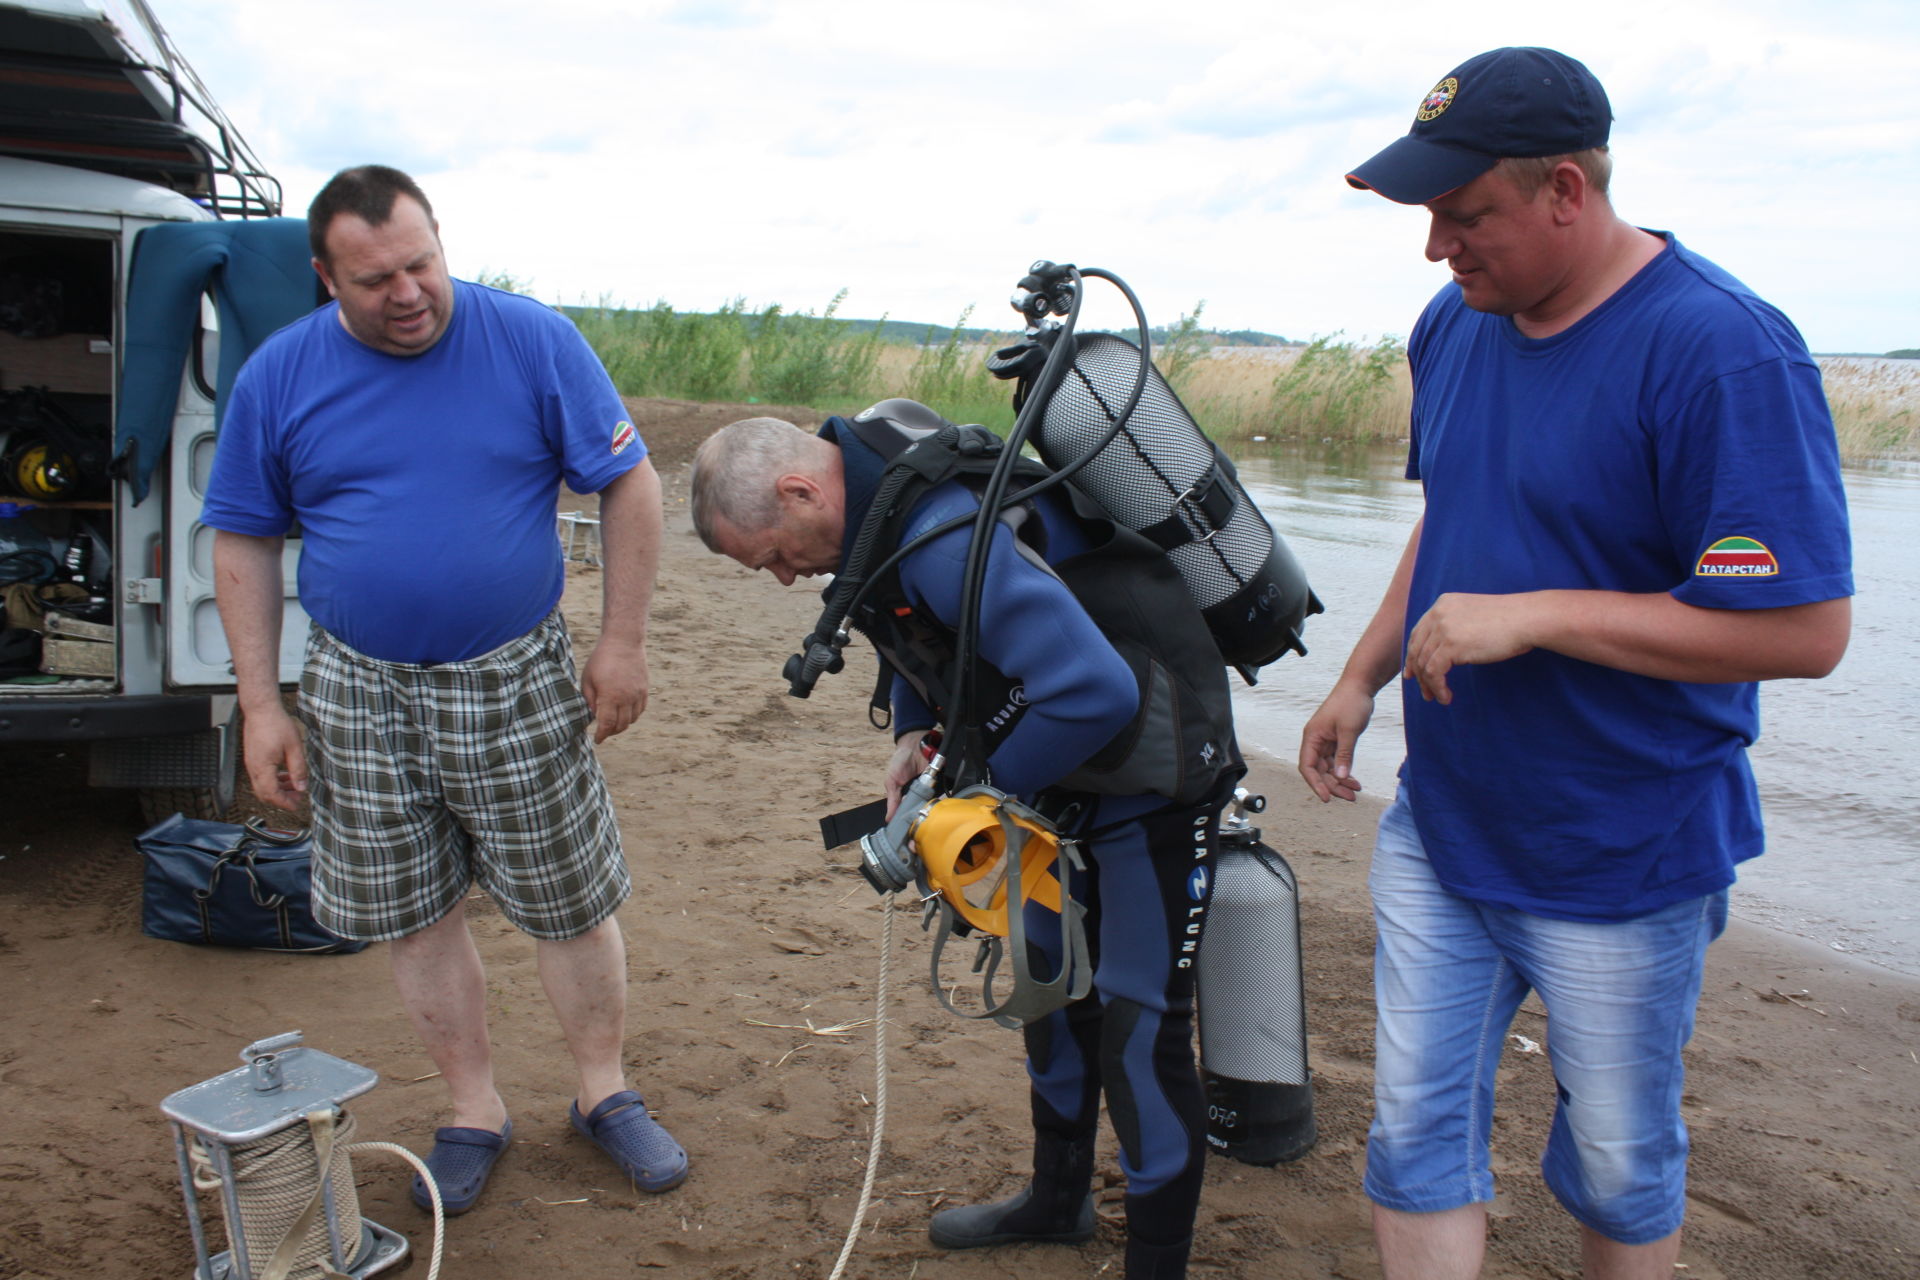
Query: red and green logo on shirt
[623, 435]
[1736, 558]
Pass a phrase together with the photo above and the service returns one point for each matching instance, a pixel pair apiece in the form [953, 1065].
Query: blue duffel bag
[223, 885]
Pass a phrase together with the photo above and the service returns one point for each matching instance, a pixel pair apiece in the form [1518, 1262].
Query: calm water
[1837, 759]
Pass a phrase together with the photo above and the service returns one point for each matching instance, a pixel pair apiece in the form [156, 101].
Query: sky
[921, 155]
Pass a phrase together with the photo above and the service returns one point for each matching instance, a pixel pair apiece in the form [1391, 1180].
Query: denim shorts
[1449, 974]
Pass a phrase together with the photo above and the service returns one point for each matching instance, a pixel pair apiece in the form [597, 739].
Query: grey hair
[1530, 173]
[736, 469]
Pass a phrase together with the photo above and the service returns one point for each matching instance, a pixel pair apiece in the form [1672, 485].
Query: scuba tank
[1153, 470]
[1113, 428]
[1099, 414]
[1253, 1026]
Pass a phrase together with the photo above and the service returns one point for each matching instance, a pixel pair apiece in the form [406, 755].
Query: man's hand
[1462, 629]
[615, 685]
[906, 765]
[276, 755]
[1327, 741]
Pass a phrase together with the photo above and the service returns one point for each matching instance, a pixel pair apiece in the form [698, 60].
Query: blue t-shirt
[425, 486]
[1675, 439]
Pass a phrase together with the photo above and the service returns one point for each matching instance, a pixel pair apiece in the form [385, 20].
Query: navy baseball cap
[1510, 102]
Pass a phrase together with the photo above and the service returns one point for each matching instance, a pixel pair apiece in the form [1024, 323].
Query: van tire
[159, 803]
[211, 803]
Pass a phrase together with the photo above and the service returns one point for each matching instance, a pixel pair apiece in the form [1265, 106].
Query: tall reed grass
[1332, 390]
[733, 354]
[1876, 406]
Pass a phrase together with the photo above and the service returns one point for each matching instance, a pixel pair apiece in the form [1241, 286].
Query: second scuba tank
[1253, 1020]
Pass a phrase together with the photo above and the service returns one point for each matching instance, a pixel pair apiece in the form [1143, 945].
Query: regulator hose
[965, 757]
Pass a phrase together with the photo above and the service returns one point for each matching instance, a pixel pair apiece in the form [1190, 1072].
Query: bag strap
[258, 828]
[284, 1257]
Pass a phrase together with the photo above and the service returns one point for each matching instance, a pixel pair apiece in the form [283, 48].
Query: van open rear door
[200, 297]
[197, 653]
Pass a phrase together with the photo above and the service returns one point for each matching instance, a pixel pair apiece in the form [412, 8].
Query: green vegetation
[1330, 390]
[504, 280]
[1327, 390]
[1340, 390]
[1876, 407]
[1176, 351]
[732, 354]
[951, 375]
[832, 365]
[800, 360]
[1905, 353]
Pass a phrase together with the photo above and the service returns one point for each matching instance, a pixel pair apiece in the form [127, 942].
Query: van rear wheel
[210, 802]
[158, 803]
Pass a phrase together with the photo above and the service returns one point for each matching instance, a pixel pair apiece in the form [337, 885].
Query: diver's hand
[906, 765]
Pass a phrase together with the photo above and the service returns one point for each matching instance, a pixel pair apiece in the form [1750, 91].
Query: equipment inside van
[141, 258]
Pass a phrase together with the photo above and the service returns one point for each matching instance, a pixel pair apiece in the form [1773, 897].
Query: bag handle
[258, 828]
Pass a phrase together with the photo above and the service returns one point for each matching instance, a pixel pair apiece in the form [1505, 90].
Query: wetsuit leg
[1155, 874]
[1062, 1057]
[1063, 1048]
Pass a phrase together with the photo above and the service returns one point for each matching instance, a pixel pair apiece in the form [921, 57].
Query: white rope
[879, 1085]
[433, 1190]
[278, 1184]
[270, 1192]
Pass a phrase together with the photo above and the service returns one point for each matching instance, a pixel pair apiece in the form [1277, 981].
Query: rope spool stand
[271, 1139]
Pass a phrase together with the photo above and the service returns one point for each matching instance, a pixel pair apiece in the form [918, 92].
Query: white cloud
[920, 156]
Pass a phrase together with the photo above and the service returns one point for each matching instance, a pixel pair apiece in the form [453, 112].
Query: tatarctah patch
[623, 435]
[1736, 558]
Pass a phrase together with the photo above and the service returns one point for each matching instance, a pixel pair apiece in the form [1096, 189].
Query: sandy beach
[753, 956]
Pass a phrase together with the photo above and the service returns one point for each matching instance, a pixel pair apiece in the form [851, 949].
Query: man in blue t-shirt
[418, 429]
[1633, 514]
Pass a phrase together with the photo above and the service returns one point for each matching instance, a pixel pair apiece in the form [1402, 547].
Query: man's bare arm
[251, 591]
[1648, 634]
[615, 679]
[1328, 739]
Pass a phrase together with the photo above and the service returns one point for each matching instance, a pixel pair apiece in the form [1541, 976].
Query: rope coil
[280, 1197]
[274, 1183]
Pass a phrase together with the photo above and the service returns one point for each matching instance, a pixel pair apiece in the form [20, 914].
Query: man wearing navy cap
[1633, 515]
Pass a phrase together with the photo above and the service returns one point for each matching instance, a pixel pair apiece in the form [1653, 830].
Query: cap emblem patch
[1736, 558]
[1436, 102]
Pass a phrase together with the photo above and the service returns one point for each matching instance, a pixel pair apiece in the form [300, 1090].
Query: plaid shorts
[426, 777]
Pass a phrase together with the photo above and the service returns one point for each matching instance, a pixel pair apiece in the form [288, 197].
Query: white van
[106, 134]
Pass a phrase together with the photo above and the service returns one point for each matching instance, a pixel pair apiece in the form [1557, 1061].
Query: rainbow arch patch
[1736, 558]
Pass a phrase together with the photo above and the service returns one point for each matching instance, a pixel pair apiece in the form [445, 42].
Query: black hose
[964, 753]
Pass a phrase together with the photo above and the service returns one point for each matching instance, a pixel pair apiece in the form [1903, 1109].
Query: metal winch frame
[281, 1083]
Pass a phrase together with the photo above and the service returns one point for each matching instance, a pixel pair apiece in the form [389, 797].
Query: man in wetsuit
[1066, 696]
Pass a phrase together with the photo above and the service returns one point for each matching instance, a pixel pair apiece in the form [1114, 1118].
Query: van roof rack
[99, 84]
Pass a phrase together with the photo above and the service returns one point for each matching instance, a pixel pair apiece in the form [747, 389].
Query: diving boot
[1055, 1208]
[1156, 1261]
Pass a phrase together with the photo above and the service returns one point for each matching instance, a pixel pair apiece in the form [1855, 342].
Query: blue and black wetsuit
[1150, 857]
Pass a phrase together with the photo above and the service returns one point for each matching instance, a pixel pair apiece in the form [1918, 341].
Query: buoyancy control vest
[1179, 743]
